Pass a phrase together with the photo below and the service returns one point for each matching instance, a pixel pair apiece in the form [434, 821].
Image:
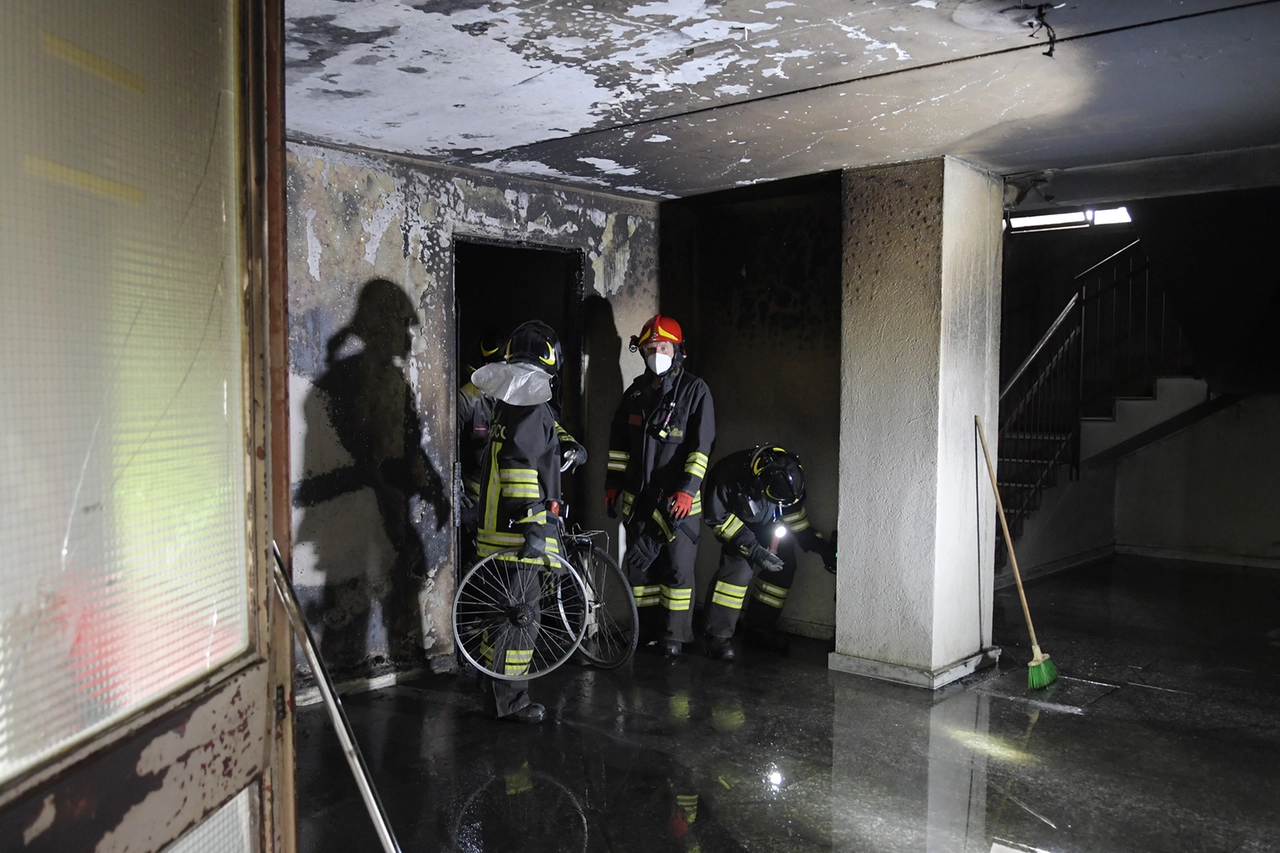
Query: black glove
[641, 554]
[468, 510]
[535, 547]
[572, 455]
[765, 559]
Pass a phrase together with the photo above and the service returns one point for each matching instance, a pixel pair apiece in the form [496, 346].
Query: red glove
[611, 502]
[681, 503]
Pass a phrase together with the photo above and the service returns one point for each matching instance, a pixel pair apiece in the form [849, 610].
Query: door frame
[151, 777]
[574, 332]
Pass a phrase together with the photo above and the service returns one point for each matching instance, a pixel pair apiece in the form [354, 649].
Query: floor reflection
[1154, 738]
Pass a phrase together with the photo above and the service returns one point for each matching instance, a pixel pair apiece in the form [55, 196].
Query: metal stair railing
[1112, 338]
[1129, 334]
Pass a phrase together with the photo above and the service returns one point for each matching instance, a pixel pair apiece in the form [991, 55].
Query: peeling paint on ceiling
[676, 97]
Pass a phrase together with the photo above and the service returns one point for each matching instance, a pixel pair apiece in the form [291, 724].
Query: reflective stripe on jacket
[739, 521]
[521, 472]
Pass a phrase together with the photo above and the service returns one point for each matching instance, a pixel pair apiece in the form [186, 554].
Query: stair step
[1036, 436]
[1017, 461]
[1016, 485]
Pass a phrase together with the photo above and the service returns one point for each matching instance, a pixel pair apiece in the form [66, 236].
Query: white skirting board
[311, 695]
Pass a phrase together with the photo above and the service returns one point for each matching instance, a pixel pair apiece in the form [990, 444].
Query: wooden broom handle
[1004, 527]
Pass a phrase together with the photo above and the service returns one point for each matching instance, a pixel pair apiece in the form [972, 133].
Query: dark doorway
[502, 286]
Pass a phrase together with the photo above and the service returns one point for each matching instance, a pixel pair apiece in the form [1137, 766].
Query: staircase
[1113, 345]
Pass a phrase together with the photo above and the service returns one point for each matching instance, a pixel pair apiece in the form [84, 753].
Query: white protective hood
[514, 384]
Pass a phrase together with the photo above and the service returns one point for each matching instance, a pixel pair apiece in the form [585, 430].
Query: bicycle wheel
[531, 806]
[514, 620]
[612, 624]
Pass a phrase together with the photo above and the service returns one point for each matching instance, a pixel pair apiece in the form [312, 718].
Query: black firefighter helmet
[778, 476]
[534, 342]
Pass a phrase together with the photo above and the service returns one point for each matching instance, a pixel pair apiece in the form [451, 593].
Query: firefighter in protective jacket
[755, 505]
[475, 411]
[661, 438]
[519, 483]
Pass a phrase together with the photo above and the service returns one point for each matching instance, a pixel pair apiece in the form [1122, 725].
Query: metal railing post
[337, 715]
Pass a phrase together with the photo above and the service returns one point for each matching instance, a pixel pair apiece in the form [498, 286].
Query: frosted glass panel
[122, 517]
[231, 829]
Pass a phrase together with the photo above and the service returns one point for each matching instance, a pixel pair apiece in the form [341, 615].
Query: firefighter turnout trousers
[510, 650]
[732, 589]
[664, 593]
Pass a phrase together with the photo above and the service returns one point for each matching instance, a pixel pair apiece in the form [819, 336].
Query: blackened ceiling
[671, 98]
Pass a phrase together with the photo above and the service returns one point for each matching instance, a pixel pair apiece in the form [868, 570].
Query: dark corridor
[500, 286]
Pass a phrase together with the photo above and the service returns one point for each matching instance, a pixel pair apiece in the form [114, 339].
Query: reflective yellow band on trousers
[646, 596]
[770, 594]
[517, 661]
[728, 595]
[674, 598]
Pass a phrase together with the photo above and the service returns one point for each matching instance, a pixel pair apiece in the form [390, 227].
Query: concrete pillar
[920, 358]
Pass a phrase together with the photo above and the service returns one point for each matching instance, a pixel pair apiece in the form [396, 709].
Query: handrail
[332, 704]
[1114, 283]
[1035, 351]
[1114, 331]
[1106, 259]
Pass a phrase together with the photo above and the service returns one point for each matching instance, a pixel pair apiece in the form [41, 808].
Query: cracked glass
[123, 568]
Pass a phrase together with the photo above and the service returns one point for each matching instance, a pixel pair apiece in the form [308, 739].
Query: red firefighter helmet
[659, 328]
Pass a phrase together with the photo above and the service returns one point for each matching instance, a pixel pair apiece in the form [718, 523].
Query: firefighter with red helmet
[519, 486]
[659, 445]
[755, 505]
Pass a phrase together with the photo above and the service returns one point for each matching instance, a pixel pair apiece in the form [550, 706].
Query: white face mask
[516, 384]
[658, 362]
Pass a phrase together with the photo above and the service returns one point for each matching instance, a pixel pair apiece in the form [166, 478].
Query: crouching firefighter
[519, 491]
[661, 438]
[755, 505]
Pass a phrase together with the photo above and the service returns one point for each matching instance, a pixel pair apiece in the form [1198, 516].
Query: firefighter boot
[719, 648]
[532, 713]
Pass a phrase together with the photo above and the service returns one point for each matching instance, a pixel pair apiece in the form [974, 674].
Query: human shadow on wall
[368, 405]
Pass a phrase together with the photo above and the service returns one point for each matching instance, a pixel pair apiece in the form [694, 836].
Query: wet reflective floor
[1161, 734]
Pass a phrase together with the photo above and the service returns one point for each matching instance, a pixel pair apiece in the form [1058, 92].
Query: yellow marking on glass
[79, 179]
[86, 60]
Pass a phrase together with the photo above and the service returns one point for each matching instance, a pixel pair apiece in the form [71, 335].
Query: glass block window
[231, 829]
[122, 431]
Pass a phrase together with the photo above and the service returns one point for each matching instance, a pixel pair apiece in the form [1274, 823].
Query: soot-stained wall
[754, 277]
[373, 377]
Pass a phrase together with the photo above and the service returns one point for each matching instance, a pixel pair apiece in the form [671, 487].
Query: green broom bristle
[1041, 675]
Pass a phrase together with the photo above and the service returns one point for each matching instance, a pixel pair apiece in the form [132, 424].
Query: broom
[1041, 671]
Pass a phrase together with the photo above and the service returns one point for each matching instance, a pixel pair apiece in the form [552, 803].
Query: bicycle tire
[499, 599]
[613, 624]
